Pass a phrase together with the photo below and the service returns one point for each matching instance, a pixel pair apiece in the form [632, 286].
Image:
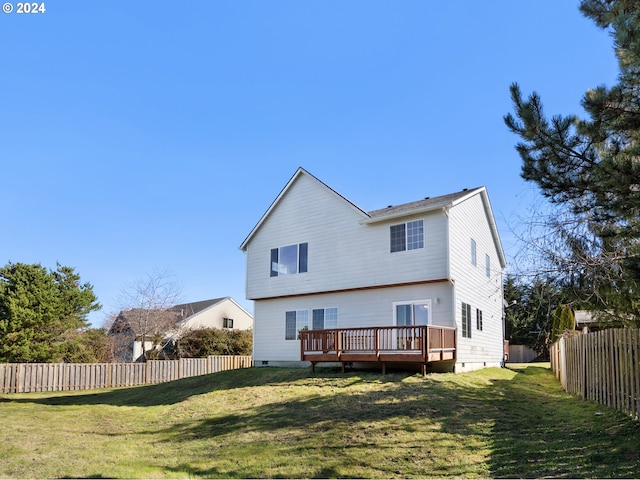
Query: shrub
[563, 320]
[214, 341]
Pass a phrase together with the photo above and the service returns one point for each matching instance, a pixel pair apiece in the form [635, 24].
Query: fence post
[585, 377]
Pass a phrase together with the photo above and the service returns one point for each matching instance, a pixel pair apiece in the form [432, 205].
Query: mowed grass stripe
[271, 422]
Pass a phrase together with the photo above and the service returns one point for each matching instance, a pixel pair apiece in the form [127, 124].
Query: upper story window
[487, 266]
[473, 252]
[407, 236]
[289, 260]
[227, 322]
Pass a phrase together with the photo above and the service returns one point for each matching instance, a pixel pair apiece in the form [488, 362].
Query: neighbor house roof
[128, 320]
[185, 310]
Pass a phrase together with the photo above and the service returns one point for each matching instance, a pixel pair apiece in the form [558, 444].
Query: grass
[270, 422]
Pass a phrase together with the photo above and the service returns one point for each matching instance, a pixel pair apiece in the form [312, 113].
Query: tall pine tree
[41, 311]
[590, 169]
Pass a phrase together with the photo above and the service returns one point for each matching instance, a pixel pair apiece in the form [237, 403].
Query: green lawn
[269, 422]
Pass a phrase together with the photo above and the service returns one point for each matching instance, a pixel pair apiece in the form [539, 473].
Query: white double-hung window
[295, 321]
[324, 318]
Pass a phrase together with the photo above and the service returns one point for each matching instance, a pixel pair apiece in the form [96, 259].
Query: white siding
[350, 267]
[355, 309]
[343, 253]
[468, 220]
[213, 316]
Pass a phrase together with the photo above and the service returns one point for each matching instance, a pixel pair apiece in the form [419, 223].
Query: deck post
[376, 345]
[425, 342]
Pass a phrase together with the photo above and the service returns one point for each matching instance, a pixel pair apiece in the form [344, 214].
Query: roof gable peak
[299, 172]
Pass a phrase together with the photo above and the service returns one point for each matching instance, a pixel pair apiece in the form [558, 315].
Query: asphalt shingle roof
[424, 204]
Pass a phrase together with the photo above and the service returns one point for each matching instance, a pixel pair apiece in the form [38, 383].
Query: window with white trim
[324, 318]
[289, 260]
[407, 236]
[487, 266]
[466, 320]
[473, 252]
[227, 323]
[295, 321]
[478, 319]
[412, 313]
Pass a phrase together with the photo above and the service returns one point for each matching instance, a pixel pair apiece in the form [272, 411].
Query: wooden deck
[408, 344]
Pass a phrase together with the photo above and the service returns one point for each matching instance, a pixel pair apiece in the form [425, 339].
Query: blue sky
[144, 136]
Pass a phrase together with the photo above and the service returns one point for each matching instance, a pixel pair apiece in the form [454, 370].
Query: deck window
[407, 236]
[324, 318]
[466, 320]
[412, 313]
[294, 322]
[289, 260]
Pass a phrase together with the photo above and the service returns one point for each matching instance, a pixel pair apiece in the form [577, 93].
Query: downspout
[445, 211]
[504, 325]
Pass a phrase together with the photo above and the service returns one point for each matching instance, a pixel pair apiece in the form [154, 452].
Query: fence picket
[39, 377]
[636, 369]
[602, 366]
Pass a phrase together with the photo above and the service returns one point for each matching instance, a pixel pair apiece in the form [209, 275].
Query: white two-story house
[332, 282]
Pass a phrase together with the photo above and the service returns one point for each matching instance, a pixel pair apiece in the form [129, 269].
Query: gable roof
[126, 320]
[442, 202]
[299, 172]
[186, 310]
[425, 205]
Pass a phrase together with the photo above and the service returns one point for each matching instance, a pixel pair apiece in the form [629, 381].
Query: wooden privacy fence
[602, 366]
[47, 377]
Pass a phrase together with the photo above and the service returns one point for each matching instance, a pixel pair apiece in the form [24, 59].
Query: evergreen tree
[40, 310]
[590, 170]
[563, 320]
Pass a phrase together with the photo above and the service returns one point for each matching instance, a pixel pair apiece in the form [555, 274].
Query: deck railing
[414, 343]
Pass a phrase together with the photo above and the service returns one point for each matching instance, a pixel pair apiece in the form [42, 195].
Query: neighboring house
[585, 321]
[222, 313]
[317, 261]
[588, 321]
